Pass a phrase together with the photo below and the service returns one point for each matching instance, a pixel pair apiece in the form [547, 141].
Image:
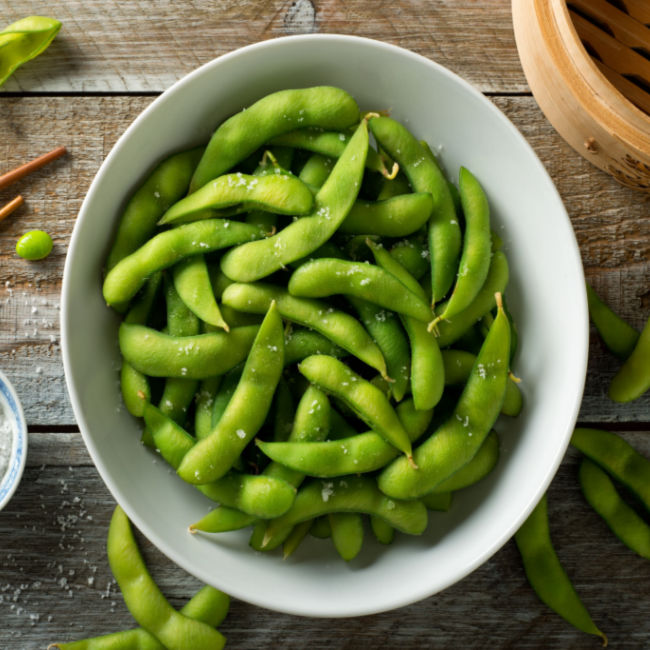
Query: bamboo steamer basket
[588, 65]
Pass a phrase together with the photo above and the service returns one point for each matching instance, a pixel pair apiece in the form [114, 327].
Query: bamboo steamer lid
[588, 65]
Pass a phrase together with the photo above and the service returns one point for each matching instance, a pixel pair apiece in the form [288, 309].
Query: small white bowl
[546, 295]
[12, 412]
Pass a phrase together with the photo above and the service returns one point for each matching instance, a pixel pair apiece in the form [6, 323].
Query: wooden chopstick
[18, 173]
[7, 209]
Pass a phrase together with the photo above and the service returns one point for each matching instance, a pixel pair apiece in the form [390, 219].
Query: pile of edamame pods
[314, 327]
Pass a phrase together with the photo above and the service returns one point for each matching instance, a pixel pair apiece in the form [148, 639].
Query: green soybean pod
[618, 335]
[192, 357]
[320, 527]
[339, 327]
[192, 282]
[255, 260]
[424, 175]
[547, 576]
[167, 248]
[209, 605]
[145, 601]
[347, 533]
[204, 405]
[349, 494]
[366, 400]
[382, 530]
[166, 184]
[225, 392]
[215, 454]
[280, 193]
[458, 438]
[294, 539]
[280, 112]
[302, 343]
[393, 187]
[329, 276]
[617, 457]
[316, 170]
[633, 378]
[602, 496]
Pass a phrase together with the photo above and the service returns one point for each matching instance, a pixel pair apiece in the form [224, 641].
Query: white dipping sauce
[7, 435]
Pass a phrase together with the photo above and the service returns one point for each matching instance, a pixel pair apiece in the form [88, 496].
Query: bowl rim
[122, 499]
[13, 475]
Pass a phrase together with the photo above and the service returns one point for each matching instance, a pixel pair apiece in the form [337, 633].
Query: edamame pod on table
[336, 325]
[145, 601]
[276, 193]
[163, 250]
[366, 400]
[457, 439]
[255, 260]
[328, 276]
[215, 454]
[633, 379]
[349, 494]
[163, 187]
[547, 576]
[286, 110]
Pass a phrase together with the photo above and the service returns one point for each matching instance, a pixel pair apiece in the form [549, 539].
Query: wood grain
[144, 46]
[55, 583]
[612, 225]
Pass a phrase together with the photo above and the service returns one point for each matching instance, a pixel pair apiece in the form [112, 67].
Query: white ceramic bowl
[11, 413]
[546, 295]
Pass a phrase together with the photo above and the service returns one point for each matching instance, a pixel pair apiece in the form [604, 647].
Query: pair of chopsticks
[22, 171]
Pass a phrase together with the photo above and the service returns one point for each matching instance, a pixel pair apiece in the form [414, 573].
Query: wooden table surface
[108, 63]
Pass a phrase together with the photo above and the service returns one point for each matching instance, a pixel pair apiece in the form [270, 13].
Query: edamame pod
[349, 494]
[366, 400]
[301, 343]
[166, 248]
[145, 601]
[240, 135]
[255, 260]
[458, 438]
[280, 193]
[347, 533]
[215, 454]
[412, 256]
[547, 576]
[328, 276]
[340, 328]
[165, 185]
[633, 379]
[192, 357]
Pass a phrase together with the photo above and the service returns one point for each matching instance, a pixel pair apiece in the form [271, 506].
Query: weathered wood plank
[55, 583]
[612, 225]
[146, 46]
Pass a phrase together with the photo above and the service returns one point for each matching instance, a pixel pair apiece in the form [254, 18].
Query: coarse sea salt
[7, 436]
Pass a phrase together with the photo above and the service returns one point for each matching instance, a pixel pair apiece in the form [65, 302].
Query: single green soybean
[209, 605]
[397, 216]
[547, 576]
[385, 329]
[166, 184]
[215, 454]
[477, 244]
[347, 533]
[280, 193]
[366, 400]
[191, 357]
[602, 496]
[458, 438]
[617, 334]
[633, 378]
[424, 175]
[617, 457]
[255, 260]
[169, 247]
[449, 331]
[336, 325]
[280, 112]
[349, 494]
[192, 282]
[357, 454]
[301, 343]
[328, 276]
[145, 601]
[23, 40]
[34, 245]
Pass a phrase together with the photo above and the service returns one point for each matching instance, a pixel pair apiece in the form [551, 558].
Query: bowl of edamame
[324, 325]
